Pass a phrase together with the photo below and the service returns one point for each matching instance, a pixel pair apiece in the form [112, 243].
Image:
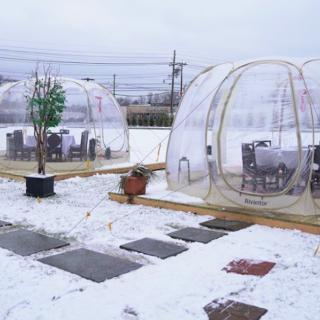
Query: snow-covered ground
[148, 145]
[175, 288]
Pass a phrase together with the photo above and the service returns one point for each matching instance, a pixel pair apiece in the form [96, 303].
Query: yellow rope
[89, 213]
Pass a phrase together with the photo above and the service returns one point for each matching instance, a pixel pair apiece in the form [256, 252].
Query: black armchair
[20, 149]
[54, 147]
[253, 174]
[315, 177]
[80, 150]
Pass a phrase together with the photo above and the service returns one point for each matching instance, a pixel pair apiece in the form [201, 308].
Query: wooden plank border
[67, 175]
[274, 221]
[151, 166]
[12, 176]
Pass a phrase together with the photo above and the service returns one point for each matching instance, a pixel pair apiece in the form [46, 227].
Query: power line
[82, 62]
[136, 81]
[55, 54]
[207, 60]
[94, 75]
[73, 50]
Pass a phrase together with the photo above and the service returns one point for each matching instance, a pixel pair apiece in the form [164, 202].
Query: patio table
[67, 141]
[272, 156]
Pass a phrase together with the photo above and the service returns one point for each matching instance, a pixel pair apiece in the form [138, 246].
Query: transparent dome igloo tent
[92, 119]
[246, 136]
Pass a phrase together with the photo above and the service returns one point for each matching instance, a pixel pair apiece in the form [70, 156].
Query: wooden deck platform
[309, 224]
[84, 173]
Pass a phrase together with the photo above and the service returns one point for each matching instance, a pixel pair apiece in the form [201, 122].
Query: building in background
[147, 115]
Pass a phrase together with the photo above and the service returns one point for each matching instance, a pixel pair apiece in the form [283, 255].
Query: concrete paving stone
[25, 242]
[152, 247]
[91, 265]
[196, 235]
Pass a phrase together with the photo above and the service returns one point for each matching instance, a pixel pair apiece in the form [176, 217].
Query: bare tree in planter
[45, 103]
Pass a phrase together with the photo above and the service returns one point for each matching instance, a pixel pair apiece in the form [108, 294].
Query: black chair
[252, 174]
[107, 153]
[315, 177]
[9, 146]
[262, 143]
[80, 150]
[92, 149]
[20, 148]
[54, 147]
[284, 174]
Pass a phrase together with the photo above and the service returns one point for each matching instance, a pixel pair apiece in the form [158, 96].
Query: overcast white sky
[224, 29]
[218, 30]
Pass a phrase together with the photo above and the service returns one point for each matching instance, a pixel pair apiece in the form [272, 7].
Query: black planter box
[39, 186]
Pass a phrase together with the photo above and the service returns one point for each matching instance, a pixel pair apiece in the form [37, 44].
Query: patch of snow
[158, 189]
[39, 176]
[176, 288]
[148, 146]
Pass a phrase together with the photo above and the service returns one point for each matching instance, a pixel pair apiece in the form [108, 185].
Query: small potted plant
[136, 180]
[45, 103]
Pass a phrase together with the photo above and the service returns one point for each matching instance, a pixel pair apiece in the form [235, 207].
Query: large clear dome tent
[246, 136]
[93, 132]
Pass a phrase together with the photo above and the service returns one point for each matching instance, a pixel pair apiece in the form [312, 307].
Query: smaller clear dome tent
[247, 137]
[93, 132]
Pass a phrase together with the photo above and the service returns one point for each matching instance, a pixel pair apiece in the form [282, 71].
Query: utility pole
[181, 77]
[173, 64]
[114, 84]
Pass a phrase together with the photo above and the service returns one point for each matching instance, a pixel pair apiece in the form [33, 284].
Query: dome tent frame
[110, 119]
[202, 93]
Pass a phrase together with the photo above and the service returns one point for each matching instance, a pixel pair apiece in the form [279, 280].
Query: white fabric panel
[188, 135]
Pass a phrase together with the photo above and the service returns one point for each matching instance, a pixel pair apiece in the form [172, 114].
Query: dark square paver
[249, 267]
[26, 242]
[152, 247]
[223, 309]
[91, 265]
[229, 225]
[196, 235]
[4, 224]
